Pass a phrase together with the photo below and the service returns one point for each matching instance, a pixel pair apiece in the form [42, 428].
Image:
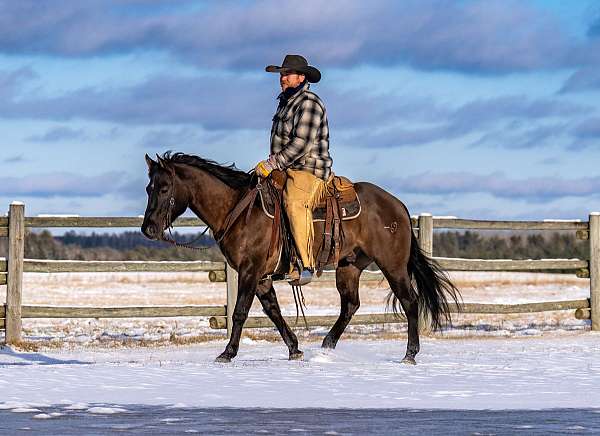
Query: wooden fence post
[426, 244]
[595, 269]
[426, 233]
[232, 291]
[14, 288]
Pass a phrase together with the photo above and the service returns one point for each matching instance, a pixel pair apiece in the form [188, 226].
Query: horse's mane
[228, 174]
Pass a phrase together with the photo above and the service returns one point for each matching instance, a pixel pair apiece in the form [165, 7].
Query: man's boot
[300, 276]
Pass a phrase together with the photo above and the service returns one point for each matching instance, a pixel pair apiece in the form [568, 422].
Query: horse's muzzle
[150, 231]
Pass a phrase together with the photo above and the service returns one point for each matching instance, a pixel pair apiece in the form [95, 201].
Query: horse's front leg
[266, 294]
[246, 290]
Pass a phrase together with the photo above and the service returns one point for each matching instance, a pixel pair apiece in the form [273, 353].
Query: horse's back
[377, 201]
[383, 230]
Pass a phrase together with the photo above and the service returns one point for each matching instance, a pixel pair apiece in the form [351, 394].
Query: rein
[171, 240]
[246, 202]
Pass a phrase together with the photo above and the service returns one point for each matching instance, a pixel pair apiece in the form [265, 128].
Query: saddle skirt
[341, 187]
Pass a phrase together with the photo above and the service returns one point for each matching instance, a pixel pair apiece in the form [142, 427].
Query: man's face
[290, 80]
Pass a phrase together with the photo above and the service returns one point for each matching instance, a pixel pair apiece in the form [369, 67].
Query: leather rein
[245, 203]
[168, 223]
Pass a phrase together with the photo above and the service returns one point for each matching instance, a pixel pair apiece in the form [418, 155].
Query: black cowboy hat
[296, 64]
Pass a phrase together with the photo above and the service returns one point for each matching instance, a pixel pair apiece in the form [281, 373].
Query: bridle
[245, 203]
[168, 224]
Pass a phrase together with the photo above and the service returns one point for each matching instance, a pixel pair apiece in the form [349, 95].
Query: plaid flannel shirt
[300, 134]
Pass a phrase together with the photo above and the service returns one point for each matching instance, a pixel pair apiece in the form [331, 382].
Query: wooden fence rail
[220, 322]
[12, 268]
[50, 266]
[121, 312]
[455, 223]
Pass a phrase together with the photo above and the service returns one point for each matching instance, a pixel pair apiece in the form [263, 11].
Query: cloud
[359, 107]
[171, 139]
[215, 102]
[518, 137]
[12, 81]
[133, 189]
[499, 122]
[532, 189]
[588, 129]
[550, 161]
[594, 28]
[488, 111]
[489, 37]
[17, 158]
[586, 134]
[62, 184]
[480, 212]
[225, 103]
[59, 134]
[398, 137]
[587, 79]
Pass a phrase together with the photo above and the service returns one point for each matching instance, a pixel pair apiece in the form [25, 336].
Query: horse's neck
[210, 198]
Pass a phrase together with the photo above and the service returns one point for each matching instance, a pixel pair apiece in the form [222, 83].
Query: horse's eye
[164, 190]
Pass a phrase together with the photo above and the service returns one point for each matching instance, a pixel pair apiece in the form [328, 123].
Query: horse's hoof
[299, 355]
[223, 359]
[328, 343]
[409, 360]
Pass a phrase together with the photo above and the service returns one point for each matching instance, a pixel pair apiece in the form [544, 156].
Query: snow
[106, 410]
[519, 361]
[187, 289]
[47, 415]
[551, 371]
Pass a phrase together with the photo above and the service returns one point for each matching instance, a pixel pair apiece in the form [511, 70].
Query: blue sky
[478, 109]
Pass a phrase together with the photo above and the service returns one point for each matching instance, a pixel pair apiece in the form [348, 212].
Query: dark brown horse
[382, 234]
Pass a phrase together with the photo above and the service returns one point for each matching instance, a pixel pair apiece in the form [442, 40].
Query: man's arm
[307, 120]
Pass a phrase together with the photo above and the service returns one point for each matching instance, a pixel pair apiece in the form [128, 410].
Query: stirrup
[301, 279]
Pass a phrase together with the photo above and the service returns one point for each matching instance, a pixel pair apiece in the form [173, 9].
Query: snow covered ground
[71, 371]
[555, 371]
[135, 289]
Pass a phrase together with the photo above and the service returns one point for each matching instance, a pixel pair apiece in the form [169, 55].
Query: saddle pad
[348, 209]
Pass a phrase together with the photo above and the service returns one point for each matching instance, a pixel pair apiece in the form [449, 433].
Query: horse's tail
[431, 285]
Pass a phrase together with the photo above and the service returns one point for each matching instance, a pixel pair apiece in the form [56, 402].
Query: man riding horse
[300, 147]
[380, 233]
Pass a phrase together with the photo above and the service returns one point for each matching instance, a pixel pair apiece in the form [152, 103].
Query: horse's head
[166, 198]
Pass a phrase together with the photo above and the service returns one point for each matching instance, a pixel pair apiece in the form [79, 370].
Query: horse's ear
[164, 164]
[149, 162]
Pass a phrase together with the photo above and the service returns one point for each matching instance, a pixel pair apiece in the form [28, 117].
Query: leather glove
[264, 168]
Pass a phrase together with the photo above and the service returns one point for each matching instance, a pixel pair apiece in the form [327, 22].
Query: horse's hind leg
[402, 289]
[347, 279]
[266, 294]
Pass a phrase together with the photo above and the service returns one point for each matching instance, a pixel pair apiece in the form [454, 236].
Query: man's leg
[302, 191]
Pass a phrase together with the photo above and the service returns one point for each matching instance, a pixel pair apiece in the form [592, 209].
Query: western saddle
[341, 203]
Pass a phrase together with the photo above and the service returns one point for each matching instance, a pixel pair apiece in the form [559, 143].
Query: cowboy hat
[296, 64]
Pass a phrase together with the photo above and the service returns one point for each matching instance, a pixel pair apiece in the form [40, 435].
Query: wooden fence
[12, 268]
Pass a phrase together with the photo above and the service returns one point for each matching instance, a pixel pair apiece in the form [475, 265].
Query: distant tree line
[512, 245]
[134, 246]
[112, 246]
